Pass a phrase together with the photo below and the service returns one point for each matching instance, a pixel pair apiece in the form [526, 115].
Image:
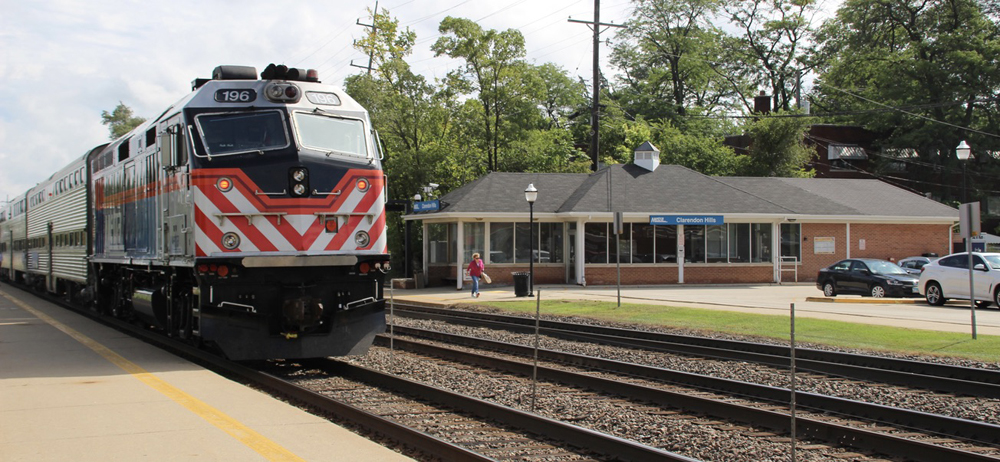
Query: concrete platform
[71, 389]
[771, 299]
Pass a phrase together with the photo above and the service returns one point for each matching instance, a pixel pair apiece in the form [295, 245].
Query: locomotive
[249, 217]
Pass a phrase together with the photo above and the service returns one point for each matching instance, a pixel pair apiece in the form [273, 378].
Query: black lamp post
[530, 195]
[963, 151]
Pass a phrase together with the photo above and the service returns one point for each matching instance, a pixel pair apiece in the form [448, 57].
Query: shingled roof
[672, 189]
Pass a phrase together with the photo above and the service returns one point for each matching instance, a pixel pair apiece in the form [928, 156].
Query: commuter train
[249, 217]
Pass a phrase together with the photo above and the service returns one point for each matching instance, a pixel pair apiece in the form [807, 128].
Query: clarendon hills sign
[690, 220]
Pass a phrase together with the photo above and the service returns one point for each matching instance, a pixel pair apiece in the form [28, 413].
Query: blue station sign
[690, 220]
[427, 206]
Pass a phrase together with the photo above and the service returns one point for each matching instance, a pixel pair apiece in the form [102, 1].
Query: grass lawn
[834, 333]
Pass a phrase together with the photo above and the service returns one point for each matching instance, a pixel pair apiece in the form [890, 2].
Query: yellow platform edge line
[259, 443]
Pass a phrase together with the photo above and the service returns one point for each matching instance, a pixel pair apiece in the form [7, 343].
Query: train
[247, 218]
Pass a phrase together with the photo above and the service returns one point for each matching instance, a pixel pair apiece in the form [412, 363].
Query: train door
[50, 279]
[176, 189]
[130, 209]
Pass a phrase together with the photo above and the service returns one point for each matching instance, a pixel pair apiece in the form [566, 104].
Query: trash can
[521, 283]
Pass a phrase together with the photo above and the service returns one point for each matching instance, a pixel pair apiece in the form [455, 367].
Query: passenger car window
[858, 267]
[842, 266]
[954, 261]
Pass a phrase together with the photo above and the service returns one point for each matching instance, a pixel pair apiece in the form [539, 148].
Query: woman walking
[476, 268]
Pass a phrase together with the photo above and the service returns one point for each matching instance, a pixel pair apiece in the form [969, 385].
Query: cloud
[63, 62]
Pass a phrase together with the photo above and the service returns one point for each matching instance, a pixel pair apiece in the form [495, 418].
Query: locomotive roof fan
[234, 73]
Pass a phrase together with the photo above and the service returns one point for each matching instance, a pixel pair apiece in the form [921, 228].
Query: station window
[501, 243]
[474, 235]
[595, 242]
[441, 242]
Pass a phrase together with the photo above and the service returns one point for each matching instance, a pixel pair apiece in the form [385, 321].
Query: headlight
[230, 241]
[299, 174]
[299, 189]
[894, 282]
[361, 239]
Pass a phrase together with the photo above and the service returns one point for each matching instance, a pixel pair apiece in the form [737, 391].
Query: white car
[948, 277]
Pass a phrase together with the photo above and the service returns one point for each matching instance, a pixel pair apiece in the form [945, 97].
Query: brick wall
[884, 241]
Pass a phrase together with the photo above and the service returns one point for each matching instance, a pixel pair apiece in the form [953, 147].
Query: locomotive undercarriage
[250, 313]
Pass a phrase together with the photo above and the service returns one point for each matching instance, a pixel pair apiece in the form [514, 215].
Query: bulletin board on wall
[824, 245]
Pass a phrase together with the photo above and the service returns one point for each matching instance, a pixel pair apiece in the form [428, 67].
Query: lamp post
[530, 195]
[963, 151]
[408, 250]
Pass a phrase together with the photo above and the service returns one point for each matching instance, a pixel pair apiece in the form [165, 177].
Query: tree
[496, 74]
[667, 53]
[774, 34]
[120, 121]
[778, 147]
[924, 75]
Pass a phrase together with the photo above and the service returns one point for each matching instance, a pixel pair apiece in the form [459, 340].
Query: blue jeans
[475, 285]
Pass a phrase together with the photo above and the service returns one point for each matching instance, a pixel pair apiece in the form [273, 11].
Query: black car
[866, 276]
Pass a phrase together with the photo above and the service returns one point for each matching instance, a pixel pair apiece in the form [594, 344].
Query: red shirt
[476, 267]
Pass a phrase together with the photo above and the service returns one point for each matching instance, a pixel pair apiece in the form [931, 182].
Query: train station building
[678, 226]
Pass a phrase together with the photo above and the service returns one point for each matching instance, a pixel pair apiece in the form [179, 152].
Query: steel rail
[913, 374]
[952, 426]
[810, 428]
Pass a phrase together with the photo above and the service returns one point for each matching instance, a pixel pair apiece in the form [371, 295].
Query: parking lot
[759, 299]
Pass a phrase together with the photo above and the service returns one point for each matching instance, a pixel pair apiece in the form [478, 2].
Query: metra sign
[427, 206]
[691, 220]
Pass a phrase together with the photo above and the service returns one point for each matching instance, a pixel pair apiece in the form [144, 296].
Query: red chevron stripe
[206, 226]
[252, 233]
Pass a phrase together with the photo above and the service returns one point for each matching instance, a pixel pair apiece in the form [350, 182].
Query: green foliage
[935, 60]
[832, 333]
[778, 147]
[704, 154]
[120, 121]
[495, 71]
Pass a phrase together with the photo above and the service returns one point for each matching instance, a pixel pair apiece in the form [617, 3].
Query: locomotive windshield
[234, 133]
[332, 135]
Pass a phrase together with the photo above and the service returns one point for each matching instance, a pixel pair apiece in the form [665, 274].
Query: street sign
[427, 206]
[968, 216]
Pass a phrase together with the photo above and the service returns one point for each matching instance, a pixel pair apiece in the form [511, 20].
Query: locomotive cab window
[242, 132]
[332, 135]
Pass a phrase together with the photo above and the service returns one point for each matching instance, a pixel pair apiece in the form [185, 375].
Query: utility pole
[371, 53]
[595, 114]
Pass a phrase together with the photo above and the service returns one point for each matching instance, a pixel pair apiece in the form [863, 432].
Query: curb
[877, 301]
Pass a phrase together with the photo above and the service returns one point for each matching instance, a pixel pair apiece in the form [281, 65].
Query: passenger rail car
[56, 230]
[249, 216]
[14, 239]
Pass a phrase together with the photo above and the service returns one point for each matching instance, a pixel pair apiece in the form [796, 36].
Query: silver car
[948, 277]
[912, 265]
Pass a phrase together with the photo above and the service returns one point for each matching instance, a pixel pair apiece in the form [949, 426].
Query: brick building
[679, 226]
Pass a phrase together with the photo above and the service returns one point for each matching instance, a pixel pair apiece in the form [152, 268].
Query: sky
[63, 62]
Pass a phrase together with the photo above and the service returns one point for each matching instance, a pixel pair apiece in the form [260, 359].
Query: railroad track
[912, 374]
[915, 436]
[489, 430]
[980, 432]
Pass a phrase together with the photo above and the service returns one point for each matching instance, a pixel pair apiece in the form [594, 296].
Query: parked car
[948, 277]
[912, 265]
[866, 276]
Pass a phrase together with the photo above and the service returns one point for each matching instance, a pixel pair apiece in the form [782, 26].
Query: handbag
[486, 278]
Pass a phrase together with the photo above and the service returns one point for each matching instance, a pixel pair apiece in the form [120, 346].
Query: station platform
[71, 389]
